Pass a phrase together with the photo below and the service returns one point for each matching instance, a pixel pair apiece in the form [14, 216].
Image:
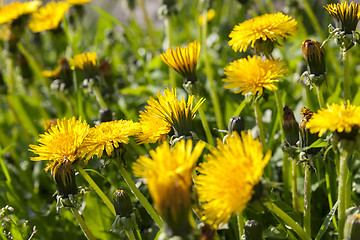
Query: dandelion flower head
[84, 60]
[168, 174]
[252, 74]
[348, 15]
[78, 2]
[15, 10]
[340, 118]
[265, 27]
[183, 59]
[108, 136]
[167, 111]
[61, 141]
[209, 16]
[226, 180]
[48, 17]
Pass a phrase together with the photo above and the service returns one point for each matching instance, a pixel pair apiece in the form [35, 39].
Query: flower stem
[168, 34]
[139, 195]
[320, 96]
[205, 124]
[288, 220]
[130, 235]
[240, 223]
[258, 116]
[347, 92]
[294, 185]
[286, 162]
[307, 199]
[82, 224]
[342, 191]
[97, 189]
[99, 97]
[210, 77]
[329, 191]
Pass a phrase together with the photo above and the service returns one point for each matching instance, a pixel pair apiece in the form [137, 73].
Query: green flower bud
[352, 227]
[253, 230]
[236, 124]
[314, 54]
[122, 203]
[291, 127]
[64, 177]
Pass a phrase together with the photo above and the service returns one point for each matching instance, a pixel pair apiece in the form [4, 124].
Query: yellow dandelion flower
[108, 136]
[183, 60]
[347, 15]
[15, 10]
[87, 62]
[252, 74]
[48, 17]
[339, 118]
[209, 16]
[51, 73]
[265, 27]
[168, 175]
[166, 112]
[78, 2]
[227, 178]
[84, 60]
[60, 141]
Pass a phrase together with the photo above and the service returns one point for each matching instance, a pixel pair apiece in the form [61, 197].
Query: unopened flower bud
[352, 227]
[291, 127]
[253, 230]
[122, 203]
[105, 115]
[64, 176]
[314, 54]
[306, 138]
[236, 124]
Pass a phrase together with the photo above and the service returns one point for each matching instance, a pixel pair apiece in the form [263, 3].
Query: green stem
[98, 96]
[258, 116]
[315, 23]
[139, 195]
[320, 96]
[82, 224]
[210, 77]
[168, 34]
[341, 192]
[97, 189]
[205, 124]
[130, 235]
[148, 26]
[294, 185]
[307, 199]
[347, 91]
[329, 191]
[240, 223]
[286, 162]
[288, 220]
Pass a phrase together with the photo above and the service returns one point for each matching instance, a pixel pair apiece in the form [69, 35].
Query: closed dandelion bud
[264, 48]
[168, 8]
[291, 127]
[3, 86]
[253, 230]
[105, 115]
[207, 232]
[307, 138]
[352, 227]
[63, 174]
[65, 73]
[236, 124]
[122, 203]
[25, 69]
[314, 55]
